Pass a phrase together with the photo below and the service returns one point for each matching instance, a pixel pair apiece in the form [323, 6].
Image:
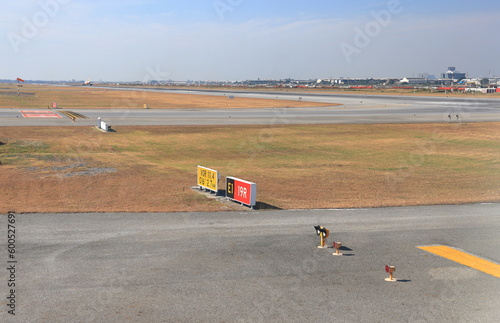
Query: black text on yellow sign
[208, 178]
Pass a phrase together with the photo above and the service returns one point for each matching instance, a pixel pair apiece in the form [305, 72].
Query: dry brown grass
[374, 91]
[295, 166]
[93, 98]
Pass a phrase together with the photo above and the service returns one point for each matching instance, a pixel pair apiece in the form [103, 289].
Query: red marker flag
[20, 79]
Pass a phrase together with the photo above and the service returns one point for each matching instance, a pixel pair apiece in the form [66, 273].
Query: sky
[235, 40]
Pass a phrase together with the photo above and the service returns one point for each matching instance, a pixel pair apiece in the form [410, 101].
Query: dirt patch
[152, 169]
[12, 93]
[74, 169]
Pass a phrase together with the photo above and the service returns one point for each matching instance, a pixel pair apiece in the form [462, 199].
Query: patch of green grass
[390, 169]
[22, 147]
[471, 143]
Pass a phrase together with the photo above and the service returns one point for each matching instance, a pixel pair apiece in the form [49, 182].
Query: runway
[353, 109]
[255, 266]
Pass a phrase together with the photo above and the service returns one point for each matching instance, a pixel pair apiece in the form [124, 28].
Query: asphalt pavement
[357, 109]
[255, 266]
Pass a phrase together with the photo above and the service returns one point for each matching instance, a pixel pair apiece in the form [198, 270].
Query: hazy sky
[132, 40]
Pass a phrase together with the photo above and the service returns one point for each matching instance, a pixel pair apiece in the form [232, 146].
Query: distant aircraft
[89, 83]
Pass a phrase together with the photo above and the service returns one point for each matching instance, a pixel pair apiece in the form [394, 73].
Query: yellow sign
[208, 178]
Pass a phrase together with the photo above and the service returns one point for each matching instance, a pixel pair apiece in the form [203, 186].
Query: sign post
[323, 234]
[208, 179]
[241, 191]
[337, 245]
[19, 85]
[390, 270]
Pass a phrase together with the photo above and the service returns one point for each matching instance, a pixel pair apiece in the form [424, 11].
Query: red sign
[241, 191]
[387, 269]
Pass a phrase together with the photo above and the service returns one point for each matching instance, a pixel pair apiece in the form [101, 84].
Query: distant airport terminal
[451, 80]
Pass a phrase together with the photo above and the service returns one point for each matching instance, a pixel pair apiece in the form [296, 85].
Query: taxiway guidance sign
[208, 178]
[241, 191]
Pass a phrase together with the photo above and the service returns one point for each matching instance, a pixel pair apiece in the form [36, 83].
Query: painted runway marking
[40, 114]
[464, 258]
[74, 115]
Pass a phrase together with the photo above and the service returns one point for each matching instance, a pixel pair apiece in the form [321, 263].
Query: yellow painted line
[464, 258]
[73, 115]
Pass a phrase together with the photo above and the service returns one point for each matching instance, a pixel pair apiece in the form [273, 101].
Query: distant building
[453, 74]
[413, 80]
[495, 81]
[427, 76]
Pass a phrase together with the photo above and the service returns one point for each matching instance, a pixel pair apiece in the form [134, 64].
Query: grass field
[326, 90]
[93, 98]
[37, 97]
[136, 169]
